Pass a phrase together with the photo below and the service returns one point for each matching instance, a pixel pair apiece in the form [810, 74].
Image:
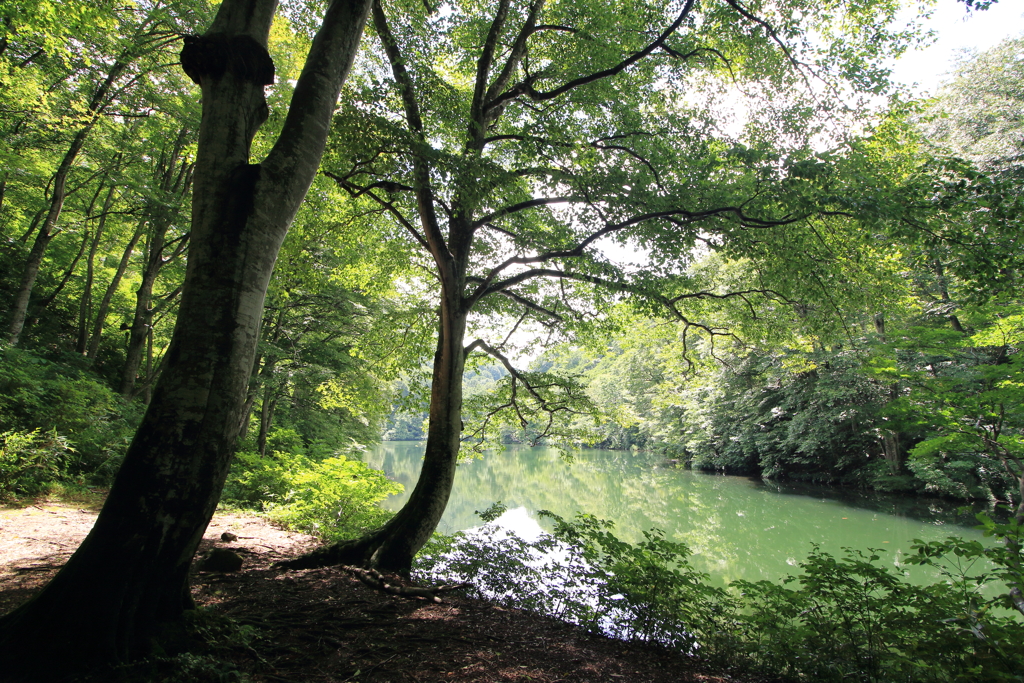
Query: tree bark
[127, 585]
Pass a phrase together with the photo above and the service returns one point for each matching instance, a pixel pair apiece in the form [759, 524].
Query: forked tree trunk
[127, 585]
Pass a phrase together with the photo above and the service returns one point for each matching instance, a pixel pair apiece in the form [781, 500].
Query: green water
[738, 528]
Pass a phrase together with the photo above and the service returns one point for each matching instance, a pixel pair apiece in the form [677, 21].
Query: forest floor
[325, 626]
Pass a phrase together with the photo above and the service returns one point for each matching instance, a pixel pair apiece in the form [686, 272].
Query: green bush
[29, 460]
[334, 498]
[36, 393]
[842, 619]
[850, 619]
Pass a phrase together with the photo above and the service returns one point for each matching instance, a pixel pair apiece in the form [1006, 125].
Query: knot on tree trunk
[214, 55]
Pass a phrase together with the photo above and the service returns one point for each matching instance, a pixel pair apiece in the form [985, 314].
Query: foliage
[28, 460]
[842, 619]
[68, 401]
[976, 112]
[332, 498]
[964, 563]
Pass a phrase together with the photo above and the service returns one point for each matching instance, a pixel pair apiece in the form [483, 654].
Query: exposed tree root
[374, 579]
[351, 553]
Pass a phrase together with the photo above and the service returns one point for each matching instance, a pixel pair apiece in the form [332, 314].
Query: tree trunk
[393, 546]
[139, 332]
[161, 216]
[940, 276]
[892, 452]
[128, 582]
[266, 417]
[879, 321]
[65, 279]
[59, 193]
[147, 391]
[85, 304]
[108, 295]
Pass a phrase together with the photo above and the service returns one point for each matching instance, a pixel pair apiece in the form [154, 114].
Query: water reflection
[738, 528]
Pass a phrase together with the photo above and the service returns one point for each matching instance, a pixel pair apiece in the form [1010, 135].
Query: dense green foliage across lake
[738, 528]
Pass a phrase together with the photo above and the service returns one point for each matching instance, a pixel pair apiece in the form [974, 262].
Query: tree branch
[477, 122]
[487, 112]
[433, 238]
[388, 206]
[292, 163]
[526, 87]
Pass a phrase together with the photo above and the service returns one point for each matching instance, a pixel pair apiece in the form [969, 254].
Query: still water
[738, 528]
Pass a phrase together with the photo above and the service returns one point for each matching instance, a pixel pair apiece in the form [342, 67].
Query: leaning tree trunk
[393, 546]
[93, 348]
[127, 585]
[58, 194]
[175, 178]
[85, 303]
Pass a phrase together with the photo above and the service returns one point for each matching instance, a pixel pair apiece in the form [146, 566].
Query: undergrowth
[332, 498]
[845, 618]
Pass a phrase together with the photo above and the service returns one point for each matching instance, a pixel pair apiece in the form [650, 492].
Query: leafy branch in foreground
[842, 619]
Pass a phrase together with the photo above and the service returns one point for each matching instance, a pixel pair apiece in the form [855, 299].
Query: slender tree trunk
[393, 546]
[85, 305]
[65, 279]
[412, 527]
[170, 184]
[128, 582]
[108, 295]
[59, 193]
[142, 319]
[266, 411]
[140, 328]
[940, 275]
[147, 391]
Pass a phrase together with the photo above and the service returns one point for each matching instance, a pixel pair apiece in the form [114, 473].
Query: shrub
[28, 460]
[334, 498]
[36, 393]
[842, 619]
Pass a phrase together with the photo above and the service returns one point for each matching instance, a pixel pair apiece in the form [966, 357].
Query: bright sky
[958, 30]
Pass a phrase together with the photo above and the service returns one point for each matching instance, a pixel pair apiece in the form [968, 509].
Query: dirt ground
[325, 626]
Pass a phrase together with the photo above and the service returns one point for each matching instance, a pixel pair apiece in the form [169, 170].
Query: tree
[977, 113]
[97, 87]
[973, 414]
[128, 582]
[512, 143]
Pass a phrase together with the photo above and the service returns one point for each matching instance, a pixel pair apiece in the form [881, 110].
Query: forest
[240, 243]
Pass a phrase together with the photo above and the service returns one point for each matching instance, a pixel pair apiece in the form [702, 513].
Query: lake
[738, 528]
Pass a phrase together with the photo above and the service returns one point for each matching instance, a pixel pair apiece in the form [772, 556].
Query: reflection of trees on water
[736, 527]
